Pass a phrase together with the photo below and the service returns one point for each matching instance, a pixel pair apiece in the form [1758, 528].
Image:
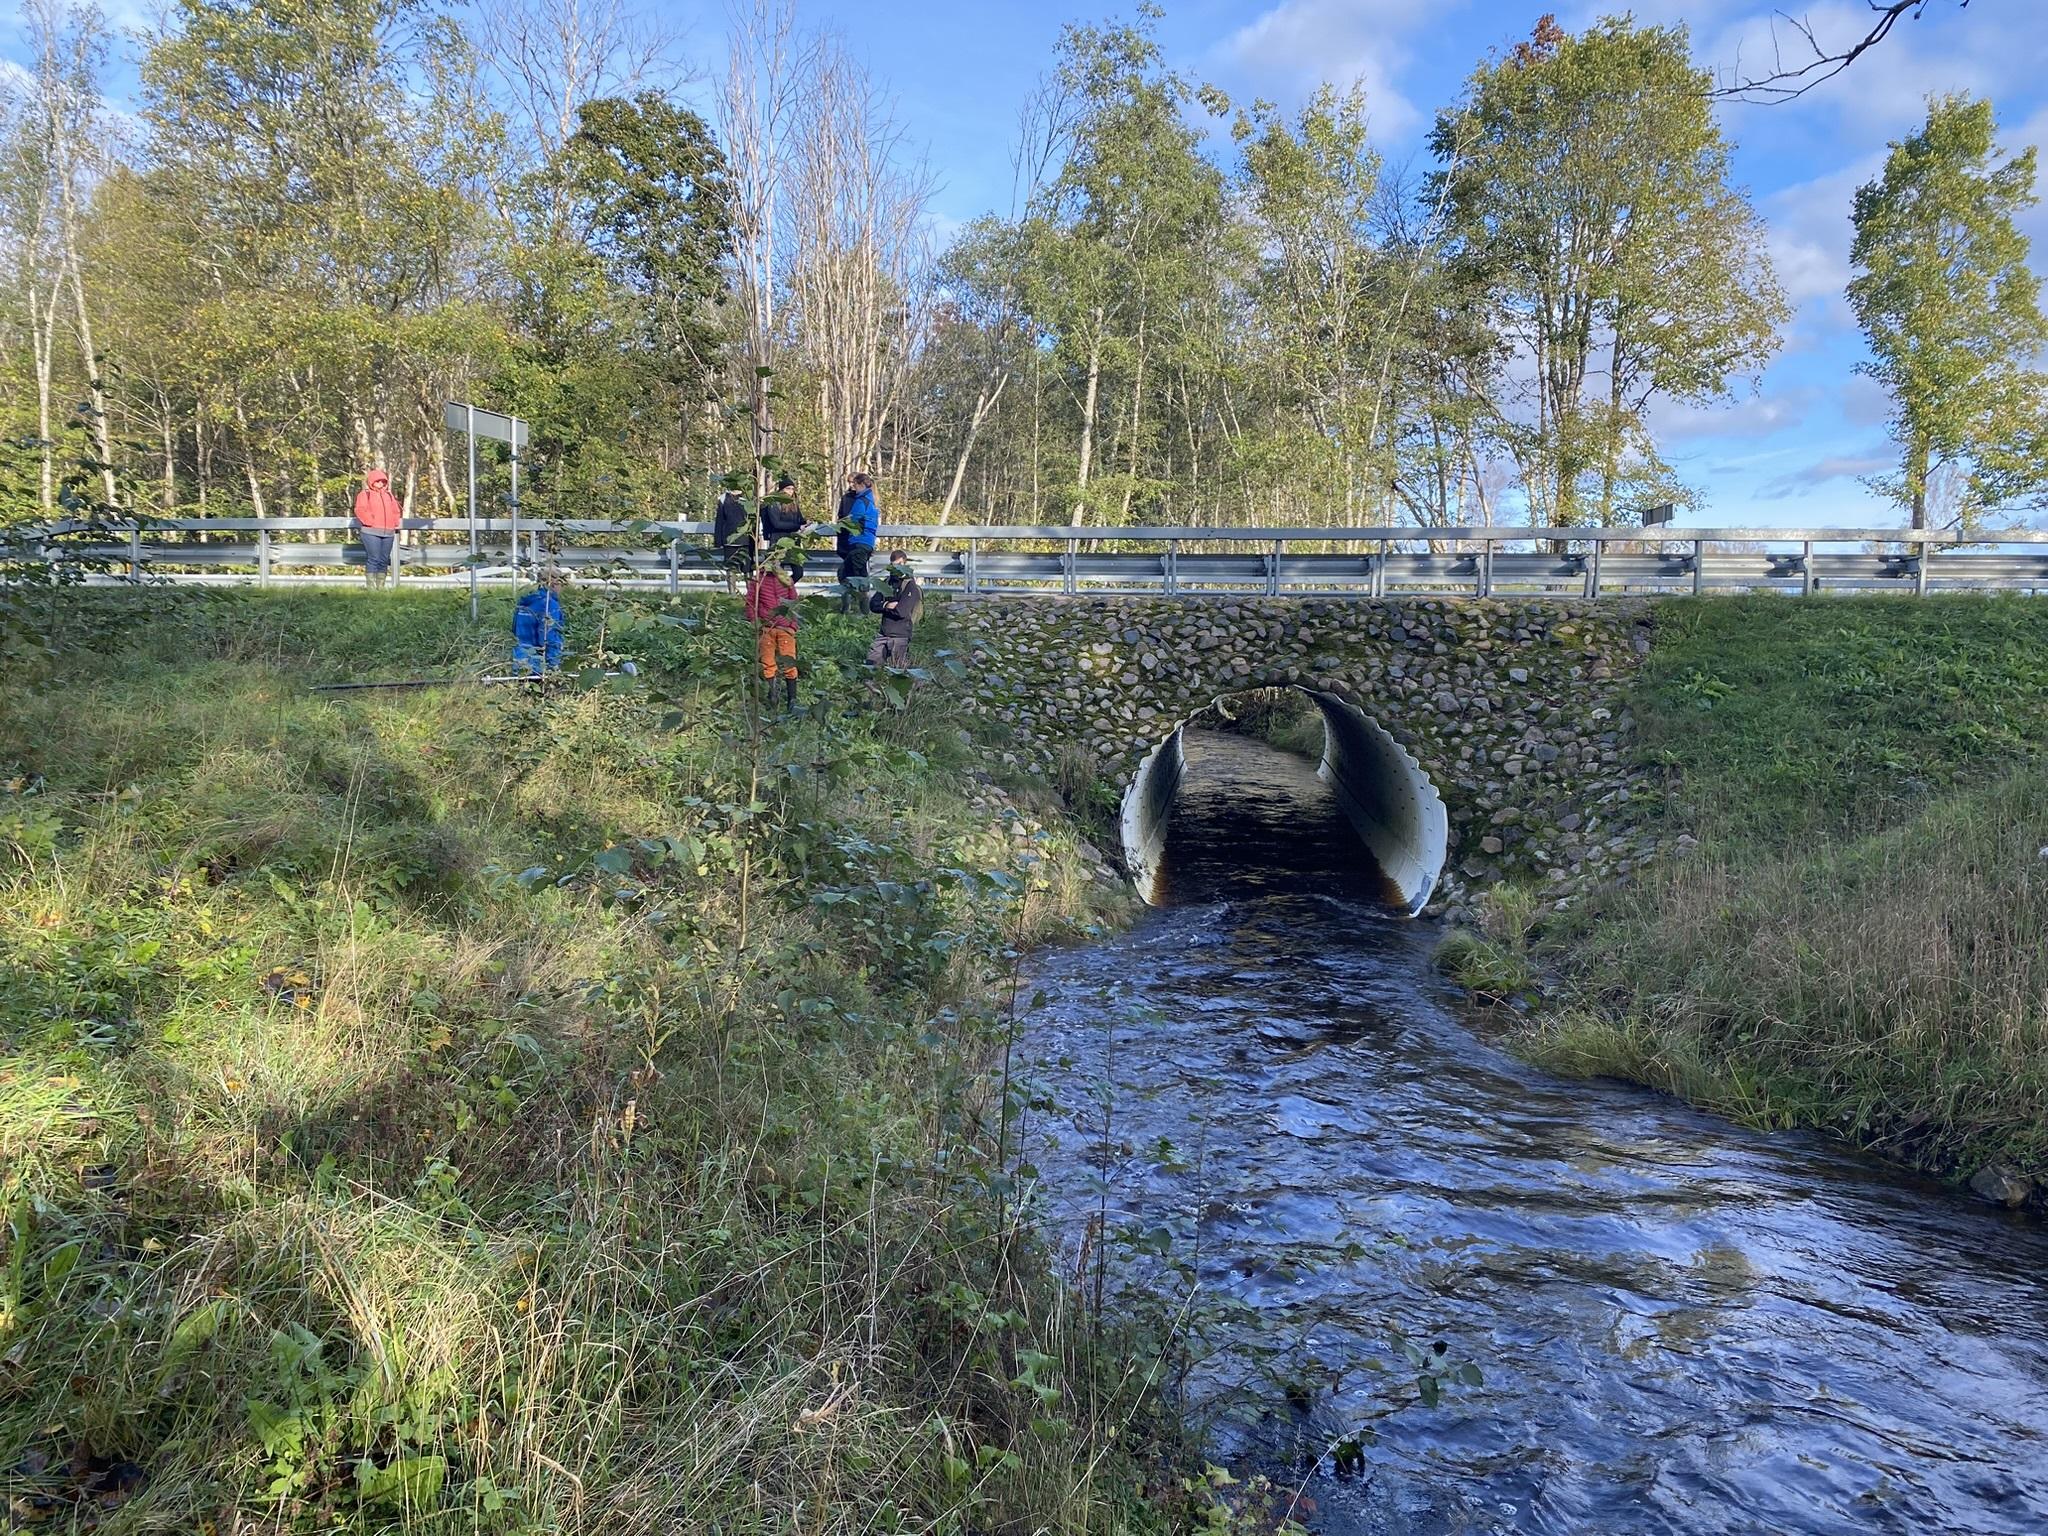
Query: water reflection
[1682, 1326]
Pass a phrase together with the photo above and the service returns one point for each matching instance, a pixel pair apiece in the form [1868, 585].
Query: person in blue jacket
[858, 524]
[537, 628]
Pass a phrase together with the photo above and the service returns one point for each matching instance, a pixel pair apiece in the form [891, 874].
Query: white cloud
[2034, 221]
[1810, 232]
[1696, 14]
[1299, 45]
[1864, 403]
[941, 229]
[1810, 235]
[1824, 471]
[1759, 415]
[1984, 50]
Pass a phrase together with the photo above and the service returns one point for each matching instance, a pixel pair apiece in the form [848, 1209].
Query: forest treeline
[323, 218]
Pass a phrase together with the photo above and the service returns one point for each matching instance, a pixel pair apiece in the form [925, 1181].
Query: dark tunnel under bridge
[1384, 793]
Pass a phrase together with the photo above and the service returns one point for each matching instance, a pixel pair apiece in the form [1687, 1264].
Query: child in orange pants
[771, 603]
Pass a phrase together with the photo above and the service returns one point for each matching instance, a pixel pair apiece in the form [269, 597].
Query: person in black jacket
[899, 607]
[730, 540]
[782, 519]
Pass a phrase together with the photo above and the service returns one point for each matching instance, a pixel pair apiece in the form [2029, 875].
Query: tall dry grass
[1856, 942]
[374, 1156]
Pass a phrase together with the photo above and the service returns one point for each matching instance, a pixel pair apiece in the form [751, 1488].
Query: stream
[1675, 1324]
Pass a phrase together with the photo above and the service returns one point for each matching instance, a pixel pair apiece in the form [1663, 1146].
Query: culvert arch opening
[1383, 793]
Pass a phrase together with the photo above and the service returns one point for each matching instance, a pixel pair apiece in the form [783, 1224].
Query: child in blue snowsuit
[537, 629]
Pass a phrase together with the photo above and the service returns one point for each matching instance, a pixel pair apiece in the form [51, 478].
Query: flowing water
[1677, 1324]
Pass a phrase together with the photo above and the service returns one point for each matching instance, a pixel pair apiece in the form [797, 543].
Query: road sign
[506, 429]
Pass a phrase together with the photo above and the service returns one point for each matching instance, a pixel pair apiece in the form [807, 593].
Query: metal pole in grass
[470, 435]
[514, 504]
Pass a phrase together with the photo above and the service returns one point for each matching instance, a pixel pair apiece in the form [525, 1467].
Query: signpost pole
[515, 507]
[470, 435]
[461, 416]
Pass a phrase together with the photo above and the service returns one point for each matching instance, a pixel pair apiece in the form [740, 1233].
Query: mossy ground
[486, 1109]
[1856, 943]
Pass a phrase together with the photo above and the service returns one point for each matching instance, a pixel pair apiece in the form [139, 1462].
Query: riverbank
[1852, 941]
[464, 1106]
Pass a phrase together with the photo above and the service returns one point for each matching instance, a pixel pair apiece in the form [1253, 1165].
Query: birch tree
[767, 59]
[69, 123]
[857, 258]
[1952, 311]
[1589, 186]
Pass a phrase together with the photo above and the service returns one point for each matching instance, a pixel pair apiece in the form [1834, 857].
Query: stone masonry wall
[1515, 708]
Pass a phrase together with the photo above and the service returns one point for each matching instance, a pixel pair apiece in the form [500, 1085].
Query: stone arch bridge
[1514, 711]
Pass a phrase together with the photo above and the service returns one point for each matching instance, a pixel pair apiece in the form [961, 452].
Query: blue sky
[1790, 453]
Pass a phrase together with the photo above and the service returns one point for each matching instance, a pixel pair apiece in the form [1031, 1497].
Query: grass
[1855, 943]
[469, 1109]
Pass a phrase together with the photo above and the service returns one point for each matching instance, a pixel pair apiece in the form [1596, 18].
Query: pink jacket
[766, 595]
[376, 508]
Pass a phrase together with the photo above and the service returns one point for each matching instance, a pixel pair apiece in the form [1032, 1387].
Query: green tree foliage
[1953, 312]
[655, 207]
[618, 264]
[1119, 244]
[1588, 186]
[325, 229]
[317, 167]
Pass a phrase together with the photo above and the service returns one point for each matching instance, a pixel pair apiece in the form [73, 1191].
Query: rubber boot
[789, 695]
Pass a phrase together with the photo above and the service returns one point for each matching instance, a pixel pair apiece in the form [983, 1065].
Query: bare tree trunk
[984, 403]
[249, 459]
[96, 385]
[1137, 416]
[554, 55]
[856, 278]
[67, 99]
[1088, 404]
[167, 422]
[1037, 421]
[755, 105]
[1610, 467]
[42, 331]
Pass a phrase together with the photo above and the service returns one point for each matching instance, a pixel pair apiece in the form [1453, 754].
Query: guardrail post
[263, 556]
[1806, 569]
[1593, 572]
[973, 548]
[1920, 570]
[1486, 567]
[675, 558]
[1172, 568]
[1273, 571]
[1699, 566]
[135, 554]
[1067, 569]
[1379, 571]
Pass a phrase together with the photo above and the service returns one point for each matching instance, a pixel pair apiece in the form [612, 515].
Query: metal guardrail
[1021, 560]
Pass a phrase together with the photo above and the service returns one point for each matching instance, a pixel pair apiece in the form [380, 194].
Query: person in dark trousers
[858, 523]
[729, 538]
[771, 605]
[537, 624]
[899, 607]
[377, 516]
[782, 519]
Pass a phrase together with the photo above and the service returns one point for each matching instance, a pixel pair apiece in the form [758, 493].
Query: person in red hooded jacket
[377, 515]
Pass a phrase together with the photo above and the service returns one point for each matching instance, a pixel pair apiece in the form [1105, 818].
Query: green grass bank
[469, 1109]
[1858, 941]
